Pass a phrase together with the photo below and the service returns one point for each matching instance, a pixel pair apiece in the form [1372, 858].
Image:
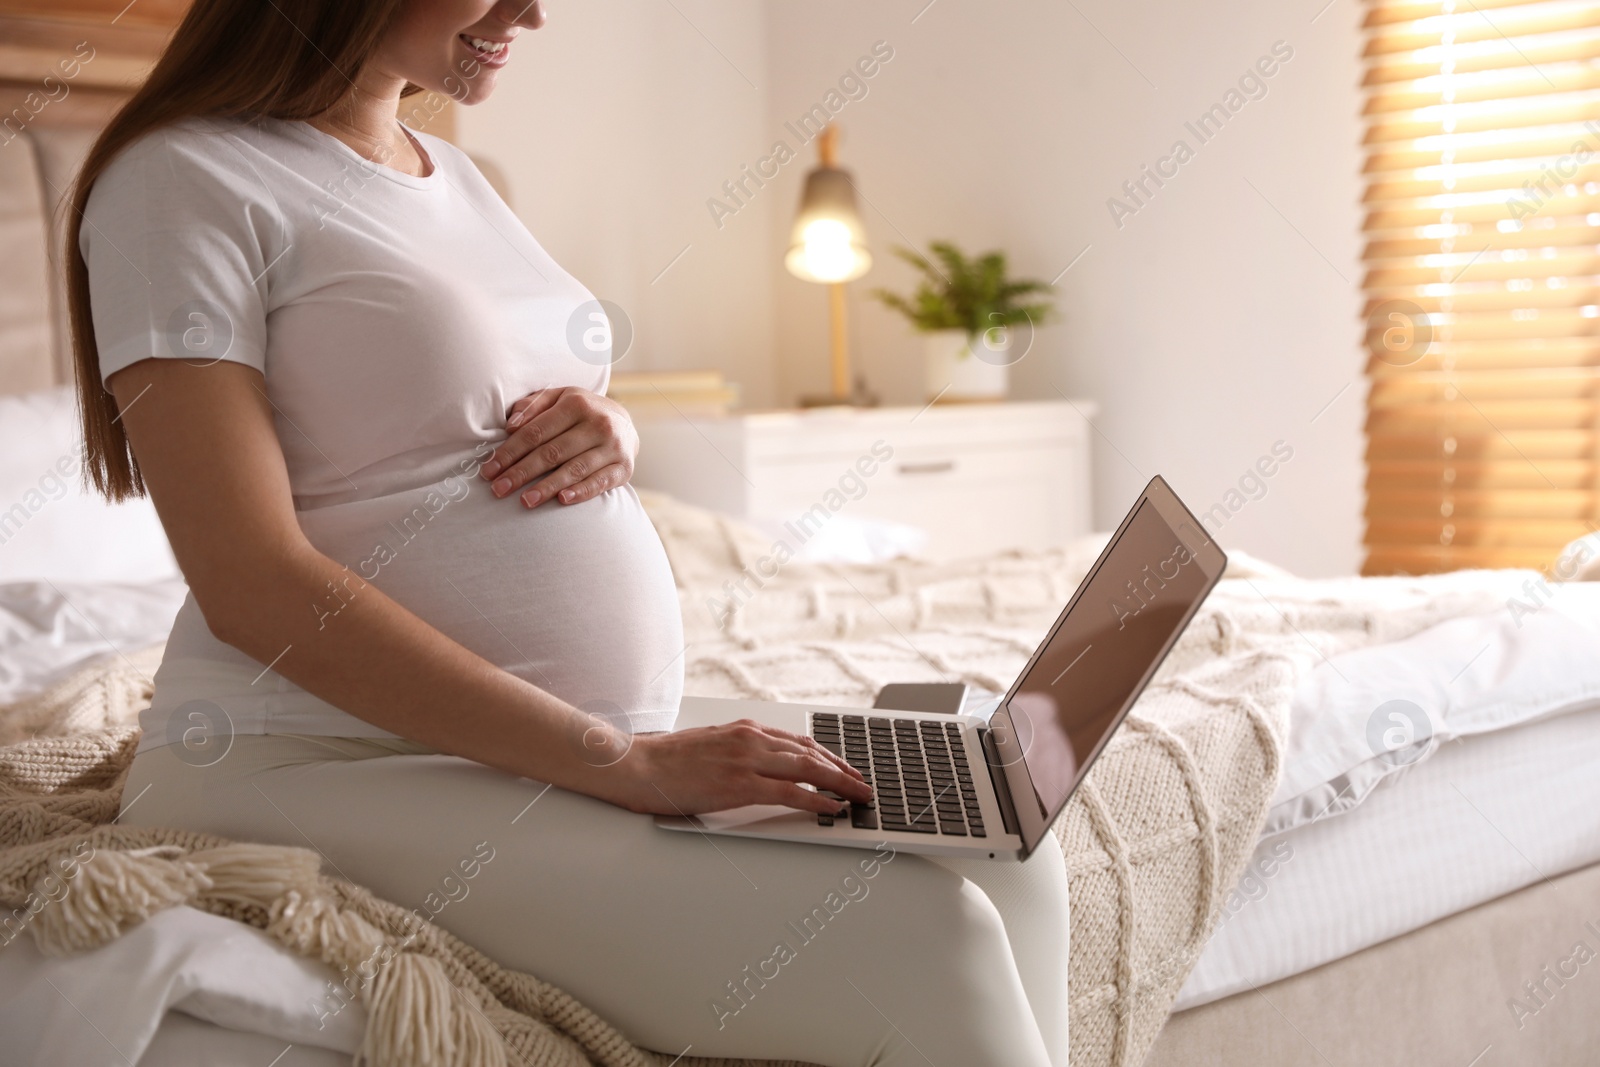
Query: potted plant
[971, 315]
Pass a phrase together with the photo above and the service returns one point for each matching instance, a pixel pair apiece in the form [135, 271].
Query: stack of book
[652, 394]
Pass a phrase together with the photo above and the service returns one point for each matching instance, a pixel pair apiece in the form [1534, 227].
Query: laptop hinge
[997, 777]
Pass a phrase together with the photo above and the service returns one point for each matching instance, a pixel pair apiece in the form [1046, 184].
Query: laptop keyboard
[917, 769]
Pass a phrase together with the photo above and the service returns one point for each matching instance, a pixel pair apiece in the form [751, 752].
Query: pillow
[850, 539]
[51, 527]
[1579, 561]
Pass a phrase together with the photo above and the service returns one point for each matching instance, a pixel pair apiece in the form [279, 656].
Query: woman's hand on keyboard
[581, 443]
[713, 768]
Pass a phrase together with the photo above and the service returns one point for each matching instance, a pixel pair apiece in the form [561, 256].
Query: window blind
[1482, 284]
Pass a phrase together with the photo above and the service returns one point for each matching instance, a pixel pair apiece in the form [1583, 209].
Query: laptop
[958, 785]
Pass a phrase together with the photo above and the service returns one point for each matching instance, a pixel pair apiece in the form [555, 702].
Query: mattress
[1487, 815]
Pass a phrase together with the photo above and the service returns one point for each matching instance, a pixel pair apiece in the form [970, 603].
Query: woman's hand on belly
[713, 768]
[582, 443]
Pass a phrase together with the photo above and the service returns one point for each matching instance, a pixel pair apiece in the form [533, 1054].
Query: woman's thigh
[736, 947]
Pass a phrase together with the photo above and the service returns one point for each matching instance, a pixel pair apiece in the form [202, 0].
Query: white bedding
[103, 1008]
[50, 526]
[1370, 713]
[48, 629]
[1487, 815]
[184, 1041]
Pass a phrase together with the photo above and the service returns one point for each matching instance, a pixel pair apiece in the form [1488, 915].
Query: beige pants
[723, 946]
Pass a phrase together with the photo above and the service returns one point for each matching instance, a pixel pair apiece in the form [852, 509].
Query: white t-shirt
[395, 319]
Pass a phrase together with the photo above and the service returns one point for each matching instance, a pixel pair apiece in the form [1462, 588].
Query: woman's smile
[488, 51]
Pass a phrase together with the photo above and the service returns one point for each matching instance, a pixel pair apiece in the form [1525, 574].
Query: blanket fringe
[418, 1018]
[314, 926]
[107, 893]
[258, 874]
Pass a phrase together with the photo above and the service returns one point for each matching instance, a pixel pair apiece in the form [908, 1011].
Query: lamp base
[859, 397]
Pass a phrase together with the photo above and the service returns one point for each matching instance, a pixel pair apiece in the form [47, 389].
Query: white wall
[1220, 318]
[613, 124]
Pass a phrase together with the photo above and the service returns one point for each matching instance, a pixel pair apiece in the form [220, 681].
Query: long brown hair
[286, 59]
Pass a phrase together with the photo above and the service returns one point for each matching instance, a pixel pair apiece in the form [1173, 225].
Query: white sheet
[48, 629]
[1487, 815]
[102, 1008]
[1370, 713]
[184, 1041]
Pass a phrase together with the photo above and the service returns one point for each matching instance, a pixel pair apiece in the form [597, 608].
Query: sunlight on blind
[1483, 280]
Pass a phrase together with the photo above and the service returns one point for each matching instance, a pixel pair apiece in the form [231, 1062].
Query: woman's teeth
[489, 48]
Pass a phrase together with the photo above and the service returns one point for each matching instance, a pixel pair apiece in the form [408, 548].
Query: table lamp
[829, 246]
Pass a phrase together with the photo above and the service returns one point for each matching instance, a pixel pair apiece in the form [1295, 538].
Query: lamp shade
[828, 243]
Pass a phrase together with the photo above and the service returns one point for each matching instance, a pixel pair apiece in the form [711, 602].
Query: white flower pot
[959, 366]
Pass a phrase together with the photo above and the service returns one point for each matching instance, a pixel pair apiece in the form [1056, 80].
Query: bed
[1421, 910]
[1288, 888]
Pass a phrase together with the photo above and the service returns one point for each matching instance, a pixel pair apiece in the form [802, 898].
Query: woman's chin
[460, 89]
[471, 91]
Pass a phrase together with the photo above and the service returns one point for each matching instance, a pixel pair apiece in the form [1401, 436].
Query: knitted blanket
[1153, 841]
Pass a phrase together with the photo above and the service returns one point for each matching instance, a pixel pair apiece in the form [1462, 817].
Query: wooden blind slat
[1390, 279]
[1467, 27]
[1384, 14]
[1498, 54]
[1463, 151]
[1536, 234]
[1487, 218]
[1488, 118]
[1449, 187]
[1458, 357]
[1508, 84]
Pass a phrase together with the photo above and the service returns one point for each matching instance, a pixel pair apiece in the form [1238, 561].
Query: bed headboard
[65, 67]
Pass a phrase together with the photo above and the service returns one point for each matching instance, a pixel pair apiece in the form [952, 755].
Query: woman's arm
[209, 453]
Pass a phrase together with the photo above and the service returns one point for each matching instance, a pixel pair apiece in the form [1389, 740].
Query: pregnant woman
[428, 619]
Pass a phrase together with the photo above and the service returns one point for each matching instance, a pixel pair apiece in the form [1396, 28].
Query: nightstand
[977, 477]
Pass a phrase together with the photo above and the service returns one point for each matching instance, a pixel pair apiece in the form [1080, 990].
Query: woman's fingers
[601, 465]
[559, 435]
[570, 487]
[792, 796]
[809, 744]
[527, 407]
[789, 742]
[539, 460]
[811, 769]
[793, 742]
[543, 430]
[714, 768]
[792, 758]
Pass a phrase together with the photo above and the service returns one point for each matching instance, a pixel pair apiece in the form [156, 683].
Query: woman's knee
[938, 914]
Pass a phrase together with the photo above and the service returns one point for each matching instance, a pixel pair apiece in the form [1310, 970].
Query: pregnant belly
[577, 600]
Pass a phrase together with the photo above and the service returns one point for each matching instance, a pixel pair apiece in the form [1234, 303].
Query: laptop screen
[1129, 611]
